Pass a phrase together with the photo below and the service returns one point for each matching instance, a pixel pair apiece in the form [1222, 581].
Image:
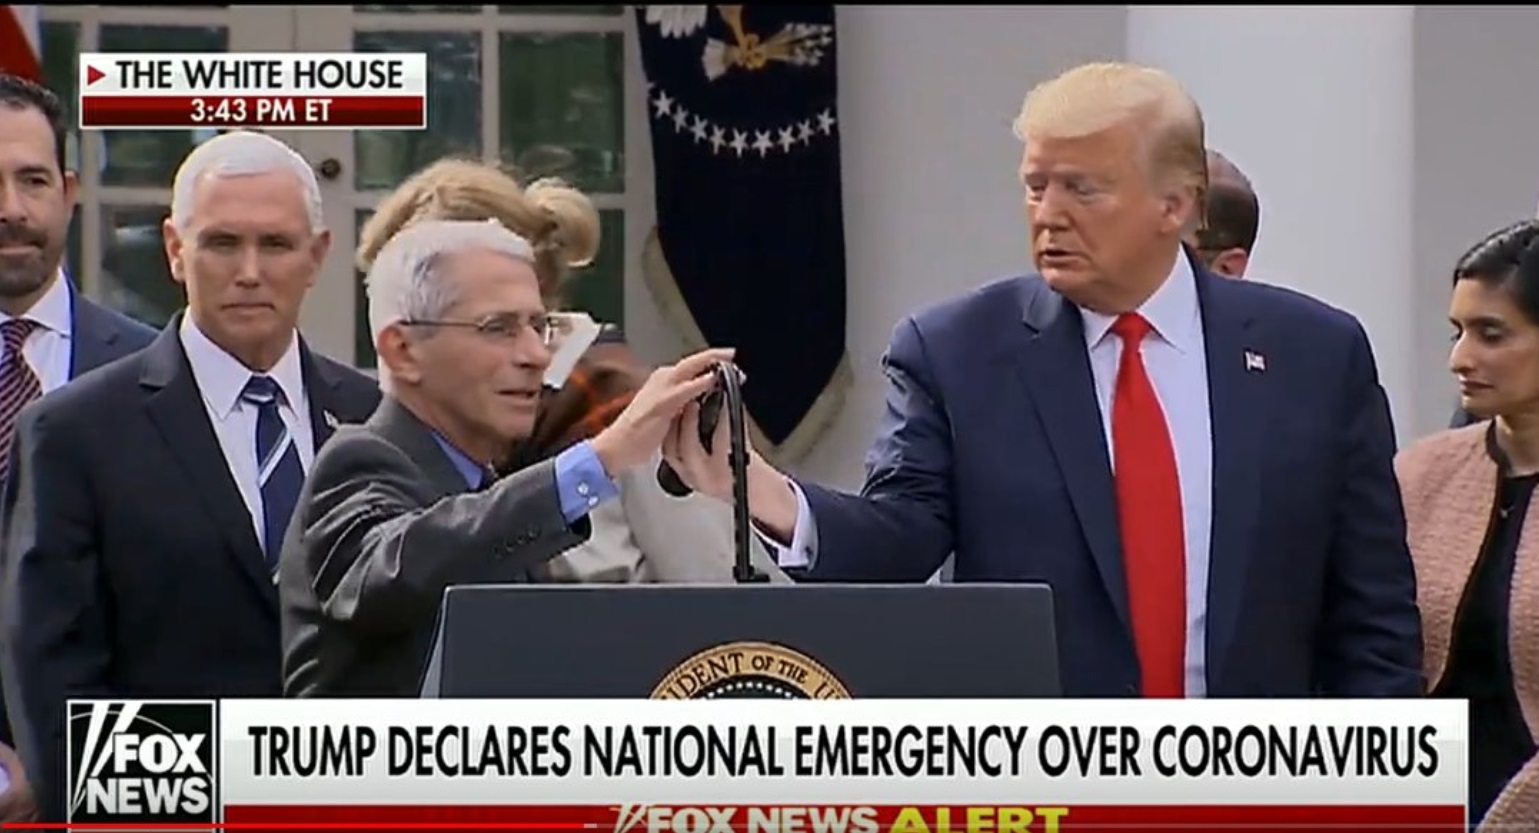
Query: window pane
[595, 10]
[150, 157]
[599, 290]
[135, 278]
[61, 45]
[382, 158]
[363, 340]
[563, 109]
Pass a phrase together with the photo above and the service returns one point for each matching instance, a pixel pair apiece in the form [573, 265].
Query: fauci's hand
[639, 430]
[18, 803]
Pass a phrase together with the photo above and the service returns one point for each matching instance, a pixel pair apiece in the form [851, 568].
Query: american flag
[21, 46]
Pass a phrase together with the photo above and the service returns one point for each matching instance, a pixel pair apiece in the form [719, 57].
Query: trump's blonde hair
[559, 221]
[1096, 97]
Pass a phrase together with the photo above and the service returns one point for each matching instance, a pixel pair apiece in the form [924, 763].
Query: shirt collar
[53, 309]
[221, 377]
[469, 469]
[1172, 311]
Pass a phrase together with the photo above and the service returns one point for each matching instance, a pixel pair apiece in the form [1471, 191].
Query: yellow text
[979, 820]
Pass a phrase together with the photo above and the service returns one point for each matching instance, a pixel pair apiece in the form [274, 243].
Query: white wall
[1476, 164]
[1383, 141]
[1325, 141]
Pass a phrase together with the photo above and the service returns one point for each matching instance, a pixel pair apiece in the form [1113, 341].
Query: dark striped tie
[278, 468]
[18, 384]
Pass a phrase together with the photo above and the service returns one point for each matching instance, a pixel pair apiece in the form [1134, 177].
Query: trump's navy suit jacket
[992, 445]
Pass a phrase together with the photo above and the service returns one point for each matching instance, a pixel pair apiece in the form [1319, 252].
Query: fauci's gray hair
[242, 153]
[406, 284]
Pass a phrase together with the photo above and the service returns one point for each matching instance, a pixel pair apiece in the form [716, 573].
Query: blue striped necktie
[278, 468]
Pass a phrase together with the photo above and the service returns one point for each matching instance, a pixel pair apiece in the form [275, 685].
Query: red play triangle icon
[93, 75]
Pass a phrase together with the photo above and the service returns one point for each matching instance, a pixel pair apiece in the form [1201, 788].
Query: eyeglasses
[507, 326]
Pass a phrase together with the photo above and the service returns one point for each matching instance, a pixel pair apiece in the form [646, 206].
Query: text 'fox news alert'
[269, 90]
[142, 762]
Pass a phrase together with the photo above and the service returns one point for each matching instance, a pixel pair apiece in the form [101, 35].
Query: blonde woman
[1473, 527]
[647, 535]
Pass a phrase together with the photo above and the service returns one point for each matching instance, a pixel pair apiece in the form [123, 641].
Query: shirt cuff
[804, 538]
[582, 482]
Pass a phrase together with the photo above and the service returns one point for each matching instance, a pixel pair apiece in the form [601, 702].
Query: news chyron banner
[774, 766]
[271, 90]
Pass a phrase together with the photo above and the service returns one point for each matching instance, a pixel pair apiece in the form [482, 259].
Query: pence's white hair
[406, 282]
[242, 153]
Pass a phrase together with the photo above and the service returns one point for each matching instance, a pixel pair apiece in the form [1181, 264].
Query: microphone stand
[728, 395]
[743, 570]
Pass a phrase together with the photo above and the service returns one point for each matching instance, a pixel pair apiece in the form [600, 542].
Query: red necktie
[1149, 509]
[18, 384]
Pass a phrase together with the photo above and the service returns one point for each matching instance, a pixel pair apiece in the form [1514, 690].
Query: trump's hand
[771, 500]
[18, 802]
[708, 473]
[638, 432]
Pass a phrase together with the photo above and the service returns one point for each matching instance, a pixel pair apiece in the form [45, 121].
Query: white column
[1315, 106]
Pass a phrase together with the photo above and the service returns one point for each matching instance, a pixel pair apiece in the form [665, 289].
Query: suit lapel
[1054, 366]
[92, 336]
[176, 408]
[1237, 354]
[415, 439]
[323, 387]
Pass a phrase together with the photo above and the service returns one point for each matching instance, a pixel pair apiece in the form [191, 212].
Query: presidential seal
[750, 670]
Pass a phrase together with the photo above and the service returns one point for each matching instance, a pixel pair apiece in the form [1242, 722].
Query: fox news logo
[142, 761]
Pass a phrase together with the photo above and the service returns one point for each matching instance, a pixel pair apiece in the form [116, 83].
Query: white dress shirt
[221, 378]
[47, 348]
[1175, 356]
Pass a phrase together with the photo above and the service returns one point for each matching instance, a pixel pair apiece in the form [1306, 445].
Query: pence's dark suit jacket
[131, 566]
[98, 336]
[385, 524]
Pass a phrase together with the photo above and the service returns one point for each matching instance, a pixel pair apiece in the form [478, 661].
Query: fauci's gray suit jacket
[384, 525]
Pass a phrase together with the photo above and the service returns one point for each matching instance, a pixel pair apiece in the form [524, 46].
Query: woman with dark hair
[1474, 531]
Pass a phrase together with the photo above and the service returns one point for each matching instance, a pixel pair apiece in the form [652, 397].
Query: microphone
[726, 395]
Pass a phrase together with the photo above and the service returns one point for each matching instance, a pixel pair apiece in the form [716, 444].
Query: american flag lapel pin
[1255, 362]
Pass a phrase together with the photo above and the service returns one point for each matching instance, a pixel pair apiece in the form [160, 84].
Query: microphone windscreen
[670, 481]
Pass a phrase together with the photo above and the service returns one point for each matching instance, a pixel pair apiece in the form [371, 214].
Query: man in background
[1233, 219]
[49, 332]
[148, 499]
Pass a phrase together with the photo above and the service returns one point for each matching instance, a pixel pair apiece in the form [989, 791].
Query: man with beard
[49, 333]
